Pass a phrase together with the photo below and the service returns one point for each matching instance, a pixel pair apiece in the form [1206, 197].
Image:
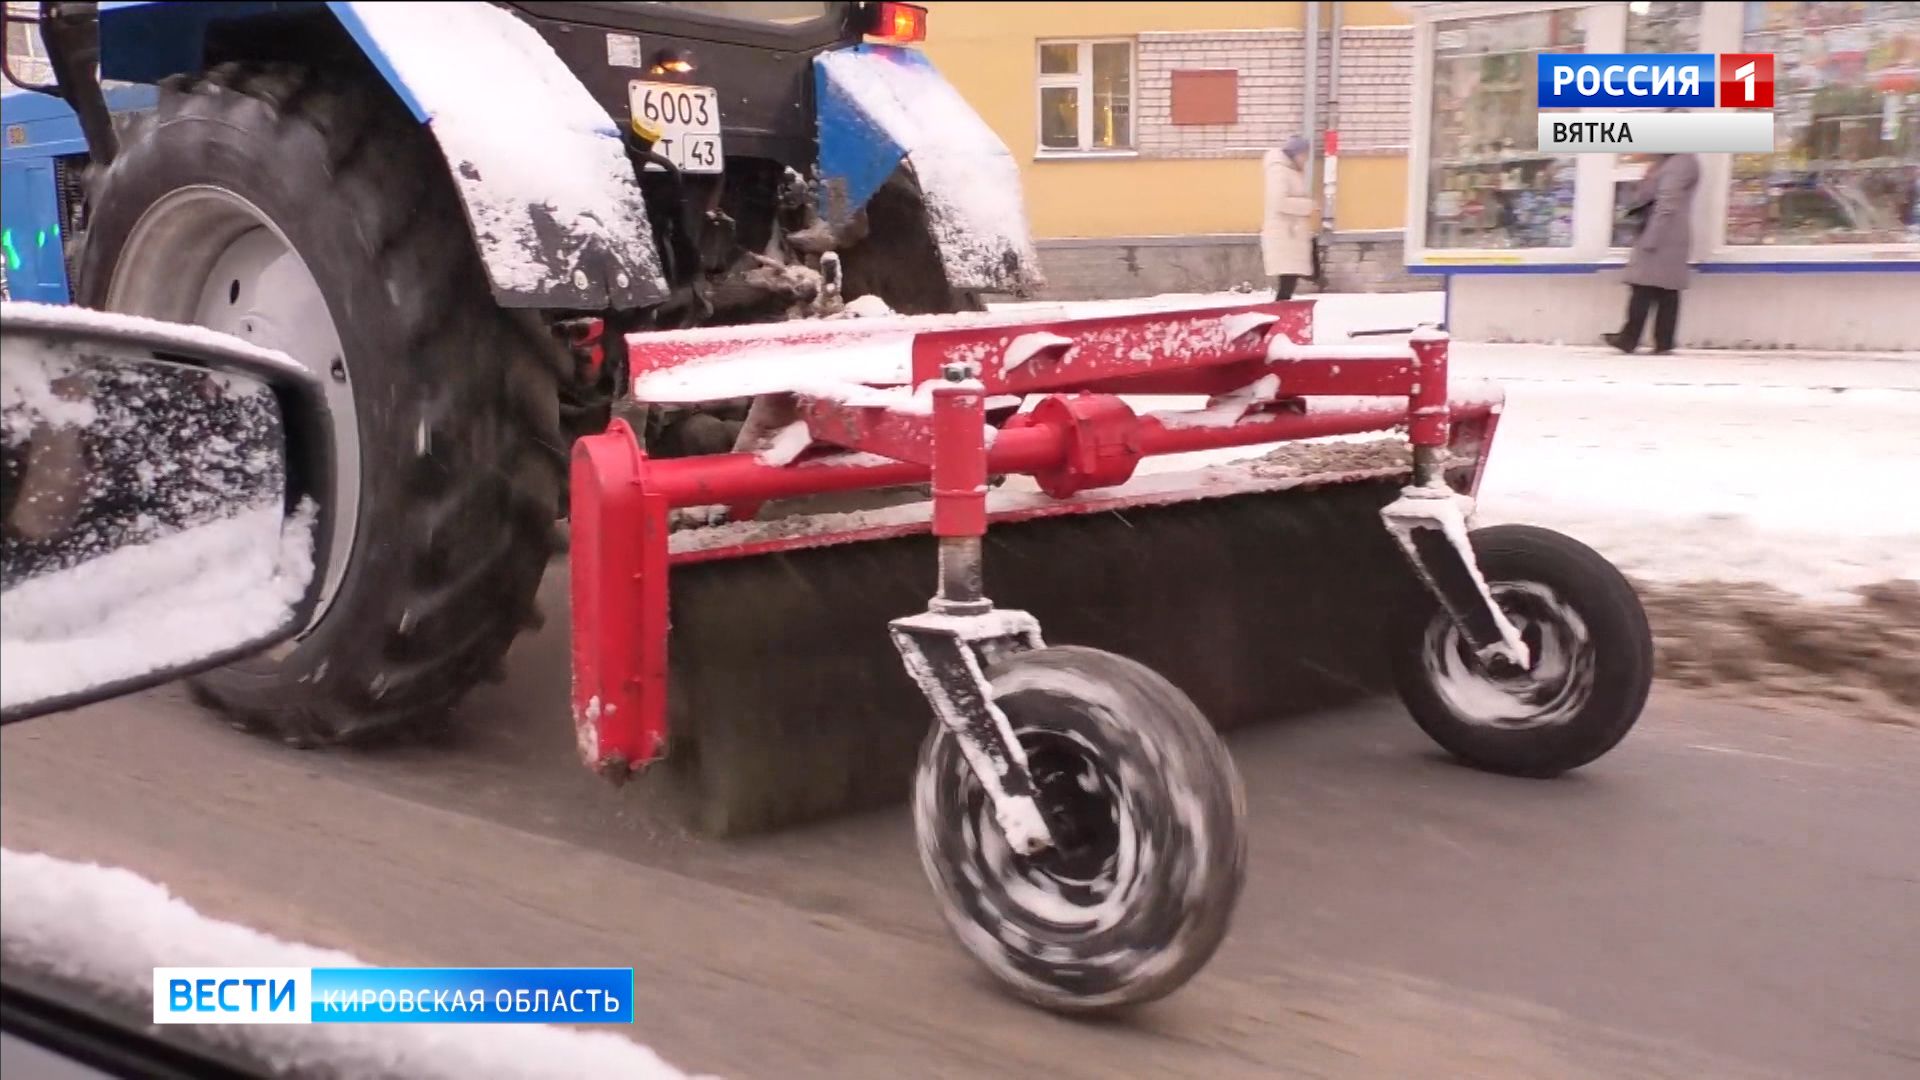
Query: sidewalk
[1839, 372]
[1788, 477]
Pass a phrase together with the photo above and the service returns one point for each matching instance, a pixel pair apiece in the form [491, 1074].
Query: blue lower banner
[382, 995]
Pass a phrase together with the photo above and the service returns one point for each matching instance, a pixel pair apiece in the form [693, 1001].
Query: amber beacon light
[899, 23]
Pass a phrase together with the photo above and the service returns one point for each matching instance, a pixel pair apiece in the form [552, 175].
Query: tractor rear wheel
[308, 212]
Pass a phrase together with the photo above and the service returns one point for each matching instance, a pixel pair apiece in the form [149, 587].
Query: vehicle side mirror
[160, 503]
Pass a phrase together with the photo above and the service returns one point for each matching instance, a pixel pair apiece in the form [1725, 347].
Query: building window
[1651, 28]
[1487, 187]
[1846, 162]
[1085, 96]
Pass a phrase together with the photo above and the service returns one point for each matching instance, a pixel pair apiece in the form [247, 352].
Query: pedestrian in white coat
[1286, 232]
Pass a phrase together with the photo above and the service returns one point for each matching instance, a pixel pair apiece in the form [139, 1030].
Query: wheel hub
[1082, 883]
[1498, 692]
[205, 256]
[1077, 800]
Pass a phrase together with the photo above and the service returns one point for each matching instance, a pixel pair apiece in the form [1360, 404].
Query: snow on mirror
[151, 529]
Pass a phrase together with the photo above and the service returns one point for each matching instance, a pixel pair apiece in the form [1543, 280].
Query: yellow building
[1139, 129]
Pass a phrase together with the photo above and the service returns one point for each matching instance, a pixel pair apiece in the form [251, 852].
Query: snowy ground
[1783, 469]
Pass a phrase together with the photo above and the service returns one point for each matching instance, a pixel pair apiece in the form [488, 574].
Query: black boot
[1618, 341]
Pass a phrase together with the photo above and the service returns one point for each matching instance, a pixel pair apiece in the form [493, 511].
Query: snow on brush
[530, 149]
[106, 929]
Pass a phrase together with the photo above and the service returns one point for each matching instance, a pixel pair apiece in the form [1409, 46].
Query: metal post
[1428, 413]
[1310, 118]
[1329, 180]
[960, 489]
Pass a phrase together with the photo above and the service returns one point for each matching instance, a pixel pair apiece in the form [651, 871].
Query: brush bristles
[789, 704]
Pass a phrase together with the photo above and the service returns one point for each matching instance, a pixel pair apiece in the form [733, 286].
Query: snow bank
[154, 606]
[532, 152]
[106, 929]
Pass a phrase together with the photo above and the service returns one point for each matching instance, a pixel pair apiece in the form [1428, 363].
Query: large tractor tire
[310, 213]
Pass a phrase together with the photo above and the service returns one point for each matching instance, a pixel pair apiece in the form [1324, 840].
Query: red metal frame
[1079, 437]
[617, 583]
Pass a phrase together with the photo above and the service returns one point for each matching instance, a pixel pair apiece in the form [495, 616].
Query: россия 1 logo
[1746, 80]
[1656, 103]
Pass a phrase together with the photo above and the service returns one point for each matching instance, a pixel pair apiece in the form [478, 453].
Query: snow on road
[1795, 470]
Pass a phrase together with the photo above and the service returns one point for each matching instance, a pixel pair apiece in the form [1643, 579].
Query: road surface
[1734, 892]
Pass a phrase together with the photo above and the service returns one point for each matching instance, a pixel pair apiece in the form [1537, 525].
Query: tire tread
[469, 526]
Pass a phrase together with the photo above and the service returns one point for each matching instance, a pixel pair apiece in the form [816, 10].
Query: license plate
[684, 122]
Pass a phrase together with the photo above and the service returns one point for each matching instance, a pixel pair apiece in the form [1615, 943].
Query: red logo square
[1746, 80]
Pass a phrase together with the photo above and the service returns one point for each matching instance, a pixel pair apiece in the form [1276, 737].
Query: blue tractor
[458, 212]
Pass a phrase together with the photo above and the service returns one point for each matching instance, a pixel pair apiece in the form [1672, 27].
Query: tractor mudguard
[881, 106]
[550, 196]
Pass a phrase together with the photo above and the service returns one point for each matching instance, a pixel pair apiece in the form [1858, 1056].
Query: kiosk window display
[1843, 185]
[1487, 186]
[1846, 166]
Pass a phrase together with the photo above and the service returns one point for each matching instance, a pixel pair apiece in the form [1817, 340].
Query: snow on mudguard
[880, 105]
[556, 212]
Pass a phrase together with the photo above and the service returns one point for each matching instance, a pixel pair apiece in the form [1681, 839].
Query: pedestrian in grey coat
[1657, 266]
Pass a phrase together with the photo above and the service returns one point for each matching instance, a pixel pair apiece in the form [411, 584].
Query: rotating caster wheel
[1148, 815]
[1589, 673]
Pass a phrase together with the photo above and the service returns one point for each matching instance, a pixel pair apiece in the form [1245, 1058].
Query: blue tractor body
[40, 177]
[872, 114]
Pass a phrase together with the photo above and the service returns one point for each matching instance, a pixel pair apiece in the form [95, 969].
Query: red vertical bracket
[617, 581]
[1427, 405]
[959, 457]
[1471, 437]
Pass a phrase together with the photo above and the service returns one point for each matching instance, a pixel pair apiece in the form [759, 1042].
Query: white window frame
[1081, 82]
